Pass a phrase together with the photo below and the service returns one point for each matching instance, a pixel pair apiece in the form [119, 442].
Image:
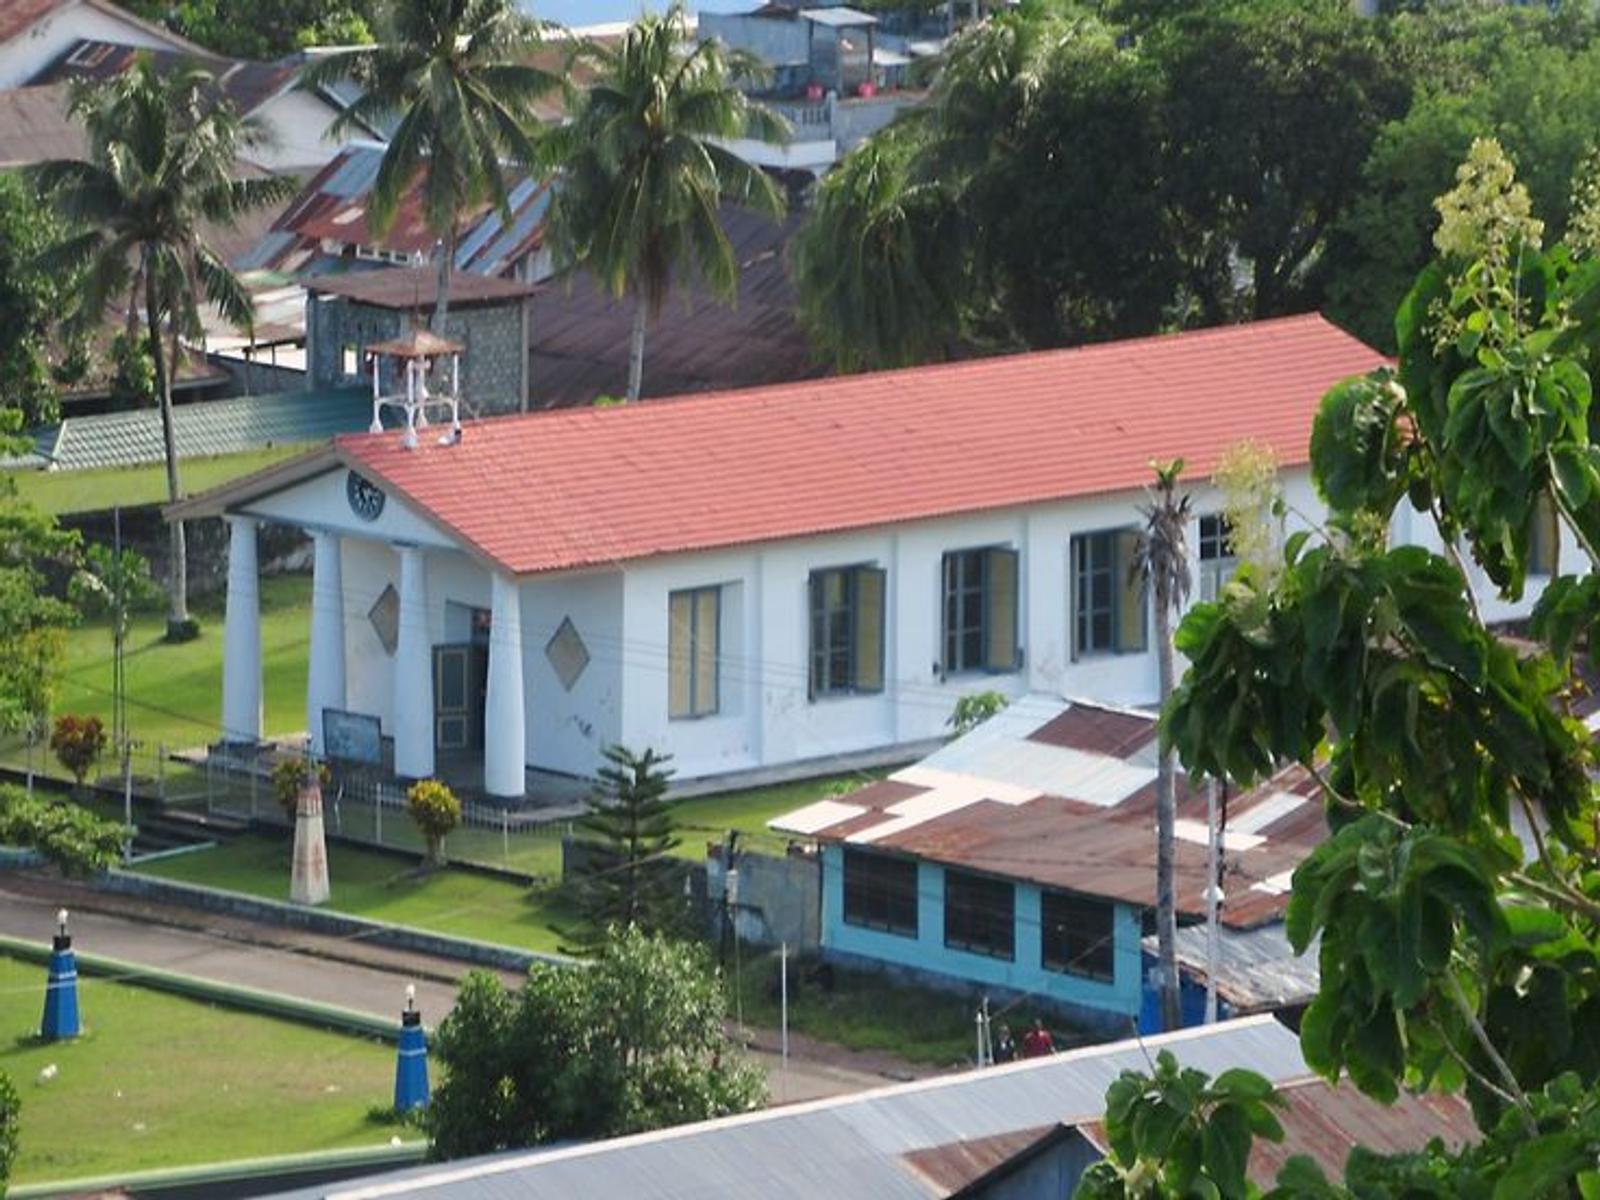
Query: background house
[1020, 860]
[34, 33]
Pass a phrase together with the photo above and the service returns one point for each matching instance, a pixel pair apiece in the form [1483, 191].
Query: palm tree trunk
[178, 569]
[441, 305]
[1166, 838]
[641, 318]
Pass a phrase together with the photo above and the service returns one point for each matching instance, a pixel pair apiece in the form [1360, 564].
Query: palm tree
[645, 166]
[162, 155]
[1162, 566]
[456, 76]
[877, 261]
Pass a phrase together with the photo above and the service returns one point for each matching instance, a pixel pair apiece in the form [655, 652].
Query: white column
[504, 729]
[413, 672]
[325, 676]
[241, 637]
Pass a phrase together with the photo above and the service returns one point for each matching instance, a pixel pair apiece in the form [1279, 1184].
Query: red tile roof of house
[560, 490]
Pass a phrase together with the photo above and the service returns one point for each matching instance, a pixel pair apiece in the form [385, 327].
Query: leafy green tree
[1456, 902]
[1161, 566]
[457, 75]
[1500, 74]
[972, 711]
[633, 1041]
[632, 879]
[71, 837]
[1271, 107]
[32, 302]
[645, 169]
[243, 29]
[163, 155]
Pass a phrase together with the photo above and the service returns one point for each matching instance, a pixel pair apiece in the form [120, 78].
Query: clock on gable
[366, 498]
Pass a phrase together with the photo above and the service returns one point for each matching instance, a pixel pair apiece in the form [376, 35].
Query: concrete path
[329, 970]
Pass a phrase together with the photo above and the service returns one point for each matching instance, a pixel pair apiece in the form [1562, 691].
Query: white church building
[760, 581]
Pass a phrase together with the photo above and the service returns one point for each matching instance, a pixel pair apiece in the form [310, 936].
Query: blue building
[1020, 860]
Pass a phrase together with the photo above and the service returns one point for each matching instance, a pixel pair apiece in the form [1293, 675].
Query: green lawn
[163, 1081]
[383, 888]
[62, 492]
[708, 818]
[175, 691]
[865, 1010]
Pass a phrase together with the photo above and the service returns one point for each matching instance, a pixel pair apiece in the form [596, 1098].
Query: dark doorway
[460, 677]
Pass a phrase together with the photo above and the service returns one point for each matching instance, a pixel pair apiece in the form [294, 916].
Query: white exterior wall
[25, 55]
[765, 716]
[567, 729]
[298, 123]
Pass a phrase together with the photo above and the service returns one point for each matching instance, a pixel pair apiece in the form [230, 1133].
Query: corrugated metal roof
[127, 439]
[845, 1147]
[1257, 969]
[1025, 797]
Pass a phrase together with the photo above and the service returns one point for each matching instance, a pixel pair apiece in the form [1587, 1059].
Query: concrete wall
[779, 899]
[855, 120]
[31, 51]
[778, 43]
[494, 371]
[766, 717]
[1114, 1003]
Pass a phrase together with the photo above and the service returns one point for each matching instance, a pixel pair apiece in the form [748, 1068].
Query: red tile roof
[561, 490]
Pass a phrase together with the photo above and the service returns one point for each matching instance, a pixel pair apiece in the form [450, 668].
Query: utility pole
[1215, 798]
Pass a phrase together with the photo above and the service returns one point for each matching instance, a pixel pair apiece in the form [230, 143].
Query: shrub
[972, 711]
[78, 743]
[436, 811]
[290, 776]
[68, 835]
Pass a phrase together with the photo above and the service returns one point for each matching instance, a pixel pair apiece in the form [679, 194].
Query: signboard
[352, 737]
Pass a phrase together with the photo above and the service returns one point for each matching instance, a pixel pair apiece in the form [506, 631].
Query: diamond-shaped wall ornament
[385, 617]
[567, 653]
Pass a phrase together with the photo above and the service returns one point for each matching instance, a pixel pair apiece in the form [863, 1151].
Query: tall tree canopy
[33, 302]
[457, 76]
[1456, 901]
[163, 157]
[645, 169]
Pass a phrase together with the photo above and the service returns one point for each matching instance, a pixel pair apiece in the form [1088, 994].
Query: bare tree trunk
[178, 570]
[1166, 818]
[441, 305]
[641, 317]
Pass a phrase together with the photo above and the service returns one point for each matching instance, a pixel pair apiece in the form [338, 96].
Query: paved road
[310, 966]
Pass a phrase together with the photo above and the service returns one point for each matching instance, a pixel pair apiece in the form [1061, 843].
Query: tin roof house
[1019, 859]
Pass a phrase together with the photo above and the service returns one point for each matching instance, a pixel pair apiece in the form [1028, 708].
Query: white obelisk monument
[308, 880]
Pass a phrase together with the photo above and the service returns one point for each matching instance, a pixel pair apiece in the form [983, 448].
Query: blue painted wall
[927, 951]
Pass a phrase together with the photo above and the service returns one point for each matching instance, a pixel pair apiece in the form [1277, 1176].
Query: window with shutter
[980, 610]
[1108, 604]
[693, 619]
[848, 616]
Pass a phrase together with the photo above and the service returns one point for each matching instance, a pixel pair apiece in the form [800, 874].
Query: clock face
[366, 498]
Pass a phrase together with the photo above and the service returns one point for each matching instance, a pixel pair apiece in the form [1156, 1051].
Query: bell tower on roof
[415, 355]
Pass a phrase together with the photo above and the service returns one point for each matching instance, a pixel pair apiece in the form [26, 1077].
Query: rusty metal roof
[1062, 794]
[417, 287]
[1326, 1121]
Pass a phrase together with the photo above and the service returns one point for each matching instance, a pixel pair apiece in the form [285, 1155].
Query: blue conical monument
[61, 993]
[411, 1066]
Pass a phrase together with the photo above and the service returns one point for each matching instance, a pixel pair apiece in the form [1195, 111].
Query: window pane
[706, 649]
[1077, 935]
[1130, 594]
[979, 914]
[869, 629]
[680, 638]
[880, 892]
[1000, 650]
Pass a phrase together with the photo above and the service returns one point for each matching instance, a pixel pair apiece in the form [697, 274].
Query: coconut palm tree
[455, 78]
[645, 167]
[1162, 566]
[162, 160]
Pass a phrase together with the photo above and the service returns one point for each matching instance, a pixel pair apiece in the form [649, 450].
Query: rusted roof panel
[954, 1165]
[417, 287]
[1103, 731]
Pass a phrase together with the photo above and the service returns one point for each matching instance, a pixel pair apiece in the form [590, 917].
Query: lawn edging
[326, 922]
[294, 1170]
[229, 995]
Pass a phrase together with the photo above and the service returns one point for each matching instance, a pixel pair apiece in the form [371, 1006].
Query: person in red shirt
[1037, 1042]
